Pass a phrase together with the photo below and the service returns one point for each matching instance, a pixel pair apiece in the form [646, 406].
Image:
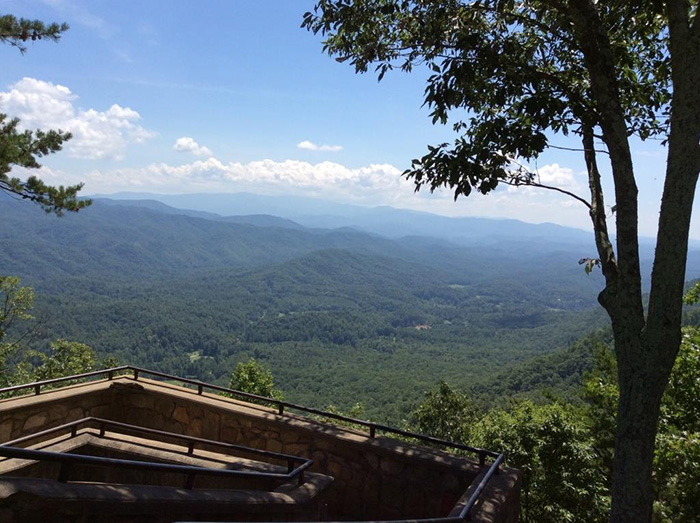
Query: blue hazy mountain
[383, 220]
[263, 220]
[192, 292]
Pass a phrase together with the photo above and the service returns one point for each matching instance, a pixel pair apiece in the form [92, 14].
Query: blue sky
[229, 96]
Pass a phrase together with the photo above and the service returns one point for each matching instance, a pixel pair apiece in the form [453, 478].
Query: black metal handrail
[282, 405]
[68, 460]
[493, 469]
[279, 404]
[192, 441]
[447, 519]
[464, 515]
[9, 450]
[38, 384]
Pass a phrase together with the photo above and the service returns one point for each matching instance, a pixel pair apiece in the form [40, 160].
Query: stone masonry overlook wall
[375, 478]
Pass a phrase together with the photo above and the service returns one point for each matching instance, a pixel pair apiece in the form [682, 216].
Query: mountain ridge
[385, 220]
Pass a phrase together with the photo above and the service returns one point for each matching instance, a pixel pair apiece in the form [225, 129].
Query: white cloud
[310, 146]
[188, 145]
[557, 176]
[96, 134]
[374, 184]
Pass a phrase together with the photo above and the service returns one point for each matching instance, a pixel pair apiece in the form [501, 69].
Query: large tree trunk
[646, 357]
[637, 418]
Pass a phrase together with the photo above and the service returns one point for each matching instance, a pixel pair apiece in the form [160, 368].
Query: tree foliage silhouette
[509, 76]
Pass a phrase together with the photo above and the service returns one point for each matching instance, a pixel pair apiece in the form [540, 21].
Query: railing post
[102, 430]
[482, 459]
[301, 478]
[200, 389]
[190, 448]
[37, 389]
[73, 431]
[110, 374]
[290, 466]
[136, 374]
[280, 409]
[372, 431]
[63, 472]
[189, 482]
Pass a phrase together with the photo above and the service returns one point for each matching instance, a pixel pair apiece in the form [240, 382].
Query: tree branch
[597, 211]
[668, 273]
[575, 149]
[548, 187]
[598, 56]
[526, 21]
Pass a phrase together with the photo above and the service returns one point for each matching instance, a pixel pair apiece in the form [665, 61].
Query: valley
[341, 316]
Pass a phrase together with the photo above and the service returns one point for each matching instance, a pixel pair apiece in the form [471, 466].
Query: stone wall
[375, 478]
[30, 414]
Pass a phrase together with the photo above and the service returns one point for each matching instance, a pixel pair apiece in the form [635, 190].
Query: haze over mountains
[507, 235]
[349, 304]
[384, 220]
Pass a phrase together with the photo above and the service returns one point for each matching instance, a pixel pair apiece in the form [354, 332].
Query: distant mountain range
[262, 220]
[386, 221]
[193, 290]
[133, 238]
[298, 212]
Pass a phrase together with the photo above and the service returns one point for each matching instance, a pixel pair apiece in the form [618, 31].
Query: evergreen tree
[23, 148]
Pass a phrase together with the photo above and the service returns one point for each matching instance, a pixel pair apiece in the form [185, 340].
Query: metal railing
[38, 384]
[9, 450]
[282, 406]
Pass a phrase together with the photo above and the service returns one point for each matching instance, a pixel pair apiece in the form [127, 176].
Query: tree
[357, 411]
[550, 444]
[65, 358]
[20, 365]
[525, 71]
[15, 304]
[16, 32]
[252, 377]
[601, 393]
[446, 413]
[22, 148]
[677, 492]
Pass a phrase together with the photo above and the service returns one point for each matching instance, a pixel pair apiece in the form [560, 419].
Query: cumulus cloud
[310, 146]
[96, 134]
[558, 176]
[373, 184]
[188, 145]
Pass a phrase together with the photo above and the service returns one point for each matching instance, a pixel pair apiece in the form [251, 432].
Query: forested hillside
[339, 315]
[350, 322]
